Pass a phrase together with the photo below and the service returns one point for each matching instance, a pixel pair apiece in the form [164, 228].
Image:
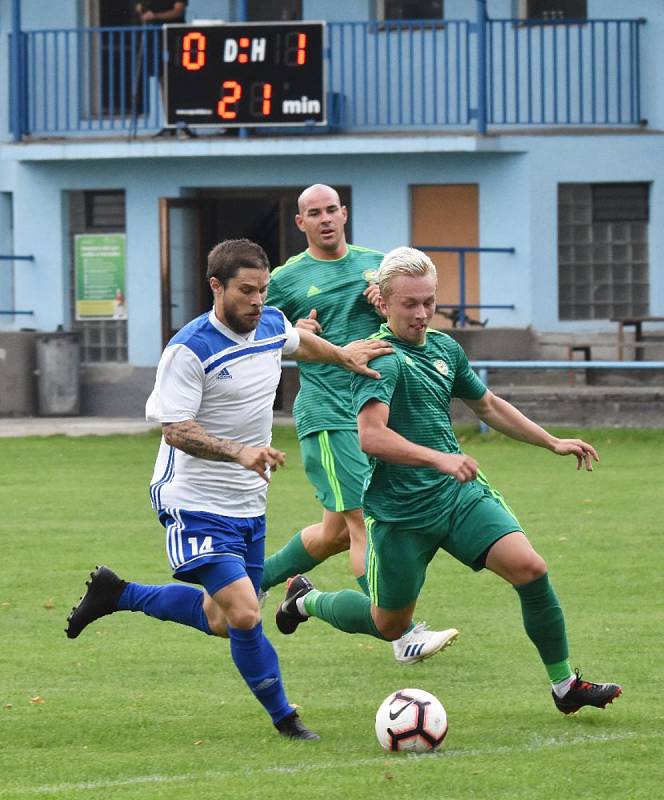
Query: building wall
[517, 174]
[518, 208]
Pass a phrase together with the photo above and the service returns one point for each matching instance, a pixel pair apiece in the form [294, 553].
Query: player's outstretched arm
[504, 417]
[190, 437]
[354, 356]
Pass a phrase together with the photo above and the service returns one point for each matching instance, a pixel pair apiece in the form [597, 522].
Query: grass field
[140, 709]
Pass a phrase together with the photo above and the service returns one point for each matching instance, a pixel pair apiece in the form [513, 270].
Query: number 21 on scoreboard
[261, 99]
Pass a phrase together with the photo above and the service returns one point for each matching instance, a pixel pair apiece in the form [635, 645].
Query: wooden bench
[640, 344]
[586, 350]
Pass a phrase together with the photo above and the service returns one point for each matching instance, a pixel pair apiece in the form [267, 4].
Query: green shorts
[398, 554]
[336, 467]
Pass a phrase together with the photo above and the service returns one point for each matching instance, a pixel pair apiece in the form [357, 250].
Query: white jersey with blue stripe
[226, 382]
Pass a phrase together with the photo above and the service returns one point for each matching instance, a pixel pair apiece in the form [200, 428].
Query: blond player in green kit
[424, 495]
[330, 290]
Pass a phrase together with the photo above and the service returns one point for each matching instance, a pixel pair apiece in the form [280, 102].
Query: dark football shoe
[288, 616]
[292, 727]
[583, 693]
[101, 598]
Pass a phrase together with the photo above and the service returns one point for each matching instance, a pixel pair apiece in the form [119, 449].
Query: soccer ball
[412, 720]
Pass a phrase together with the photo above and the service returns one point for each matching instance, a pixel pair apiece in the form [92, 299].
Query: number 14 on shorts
[199, 546]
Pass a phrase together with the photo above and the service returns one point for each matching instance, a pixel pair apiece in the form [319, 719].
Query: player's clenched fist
[461, 467]
[259, 459]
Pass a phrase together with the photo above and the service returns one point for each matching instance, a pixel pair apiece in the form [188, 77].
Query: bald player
[330, 290]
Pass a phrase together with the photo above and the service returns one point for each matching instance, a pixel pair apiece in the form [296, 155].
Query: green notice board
[100, 276]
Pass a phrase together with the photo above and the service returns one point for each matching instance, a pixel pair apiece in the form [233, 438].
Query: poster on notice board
[99, 260]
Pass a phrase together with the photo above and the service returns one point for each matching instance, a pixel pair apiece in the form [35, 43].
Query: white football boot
[420, 643]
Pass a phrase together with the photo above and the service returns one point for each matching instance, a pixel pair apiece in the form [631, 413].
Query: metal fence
[444, 74]
[567, 72]
[91, 80]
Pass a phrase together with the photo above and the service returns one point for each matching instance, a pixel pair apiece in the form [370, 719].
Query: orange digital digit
[234, 93]
[193, 51]
[295, 51]
[301, 49]
[266, 107]
[243, 58]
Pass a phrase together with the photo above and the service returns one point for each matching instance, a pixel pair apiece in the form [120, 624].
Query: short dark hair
[226, 258]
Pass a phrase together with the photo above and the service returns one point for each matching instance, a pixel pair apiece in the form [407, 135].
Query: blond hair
[403, 261]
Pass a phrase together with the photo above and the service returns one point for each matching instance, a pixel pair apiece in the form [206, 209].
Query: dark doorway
[190, 228]
[123, 57]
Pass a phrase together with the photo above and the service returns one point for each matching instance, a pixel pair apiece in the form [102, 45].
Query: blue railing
[11, 312]
[459, 316]
[91, 80]
[567, 72]
[450, 74]
[403, 74]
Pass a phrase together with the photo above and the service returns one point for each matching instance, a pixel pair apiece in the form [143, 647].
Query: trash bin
[58, 374]
[18, 386]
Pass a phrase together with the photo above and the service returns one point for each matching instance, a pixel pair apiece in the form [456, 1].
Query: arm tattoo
[194, 440]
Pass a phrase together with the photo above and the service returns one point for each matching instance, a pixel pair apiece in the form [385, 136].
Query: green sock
[292, 559]
[363, 584]
[545, 625]
[346, 610]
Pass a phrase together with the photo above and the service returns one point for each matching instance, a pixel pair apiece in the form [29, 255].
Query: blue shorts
[213, 550]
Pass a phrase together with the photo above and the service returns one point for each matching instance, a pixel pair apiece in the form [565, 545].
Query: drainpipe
[16, 109]
[481, 66]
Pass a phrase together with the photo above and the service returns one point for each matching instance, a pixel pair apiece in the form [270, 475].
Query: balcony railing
[427, 75]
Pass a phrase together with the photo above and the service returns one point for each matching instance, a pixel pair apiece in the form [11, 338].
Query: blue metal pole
[481, 66]
[462, 288]
[17, 70]
[484, 377]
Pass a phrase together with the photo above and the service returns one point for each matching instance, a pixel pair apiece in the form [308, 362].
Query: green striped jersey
[334, 289]
[417, 383]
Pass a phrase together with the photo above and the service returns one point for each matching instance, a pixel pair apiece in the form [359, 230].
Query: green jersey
[418, 383]
[334, 289]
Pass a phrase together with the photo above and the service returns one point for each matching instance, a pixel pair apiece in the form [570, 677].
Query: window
[104, 211]
[409, 9]
[113, 88]
[102, 341]
[553, 9]
[620, 202]
[603, 269]
[274, 10]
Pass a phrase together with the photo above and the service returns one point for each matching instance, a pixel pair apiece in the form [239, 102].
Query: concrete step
[581, 406]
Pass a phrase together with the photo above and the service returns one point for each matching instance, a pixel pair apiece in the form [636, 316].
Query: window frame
[522, 12]
[99, 336]
[379, 14]
[600, 257]
[250, 18]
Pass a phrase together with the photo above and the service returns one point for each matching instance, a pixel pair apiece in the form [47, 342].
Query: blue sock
[173, 602]
[258, 664]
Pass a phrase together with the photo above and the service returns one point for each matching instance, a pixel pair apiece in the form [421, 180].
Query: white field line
[537, 744]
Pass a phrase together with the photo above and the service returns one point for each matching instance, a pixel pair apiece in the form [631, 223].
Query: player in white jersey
[213, 396]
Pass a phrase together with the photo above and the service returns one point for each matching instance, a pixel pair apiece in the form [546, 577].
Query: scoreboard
[245, 74]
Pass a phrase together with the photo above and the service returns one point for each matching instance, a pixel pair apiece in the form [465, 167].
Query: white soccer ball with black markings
[411, 720]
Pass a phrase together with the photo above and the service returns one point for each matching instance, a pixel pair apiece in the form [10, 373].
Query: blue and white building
[534, 127]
